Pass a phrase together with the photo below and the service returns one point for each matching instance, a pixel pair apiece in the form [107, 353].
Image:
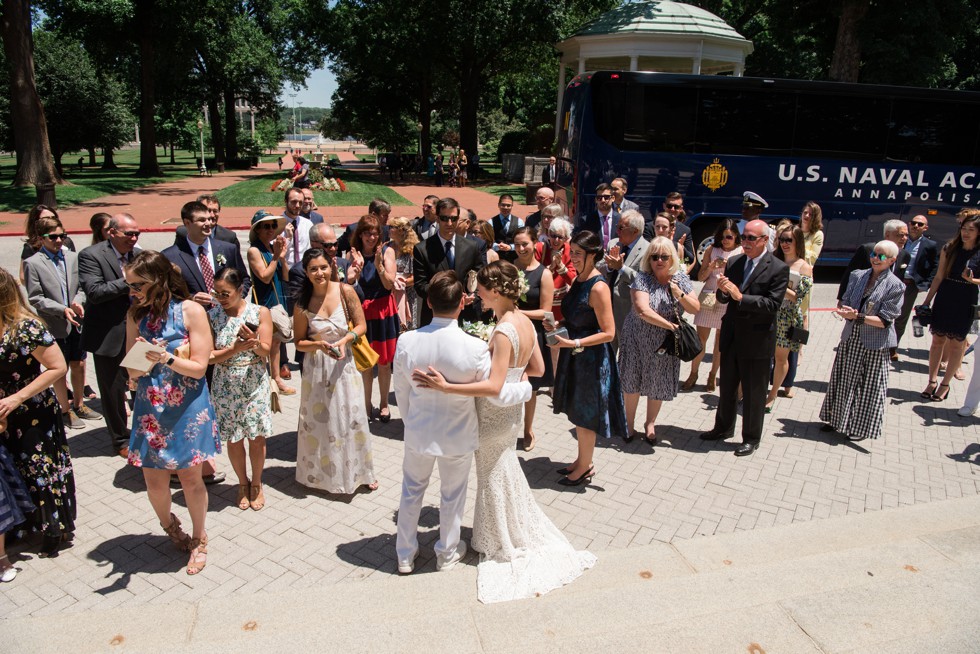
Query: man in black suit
[309, 210]
[549, 176]
[753, 286]
[603, 219]
[100, 272]
[924, 259]
[894, 231]
[200, 257]
[218, 232]
[427, 224]
[542, 197]
[445, 251]
[504, 226]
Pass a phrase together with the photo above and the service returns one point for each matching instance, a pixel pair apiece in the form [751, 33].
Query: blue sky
[320, 85]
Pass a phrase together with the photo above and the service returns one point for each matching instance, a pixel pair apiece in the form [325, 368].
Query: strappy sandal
[199, 548]
[691, 381]
[244, 497]
[930, 389]
[178, 536]
[936, 397]
[257, 499]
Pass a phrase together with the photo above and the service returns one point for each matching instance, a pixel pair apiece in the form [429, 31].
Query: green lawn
[361, 190]
[517, 190]
[91, 183]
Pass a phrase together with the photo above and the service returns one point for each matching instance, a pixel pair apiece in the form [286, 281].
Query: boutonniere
[221, 260]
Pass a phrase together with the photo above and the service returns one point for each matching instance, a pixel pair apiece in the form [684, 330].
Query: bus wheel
[704, 236]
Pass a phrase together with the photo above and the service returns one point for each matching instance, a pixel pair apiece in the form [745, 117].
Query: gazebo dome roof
[659, 17]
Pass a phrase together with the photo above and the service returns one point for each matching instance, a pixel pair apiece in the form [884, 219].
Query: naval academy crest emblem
[714, 176]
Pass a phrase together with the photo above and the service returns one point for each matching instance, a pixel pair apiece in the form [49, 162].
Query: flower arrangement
[221, 260]
[481, 330]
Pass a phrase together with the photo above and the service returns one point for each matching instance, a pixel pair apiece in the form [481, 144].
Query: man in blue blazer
[200, 257]
[924, 260]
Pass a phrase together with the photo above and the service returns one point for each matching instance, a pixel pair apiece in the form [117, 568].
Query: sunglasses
[675, 207]
[879, 256]
[332, 244]
[604, 197]
[131, 234]
[557, 237]
[136, 286]
[786, 240]
[448, 219]
[56, 237]
[222, 295]
[266, 226]
[728, 237]
[752, 239]
[660, 257]
[915, 224]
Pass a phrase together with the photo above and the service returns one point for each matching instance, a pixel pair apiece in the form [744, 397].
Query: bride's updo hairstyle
[503, 277]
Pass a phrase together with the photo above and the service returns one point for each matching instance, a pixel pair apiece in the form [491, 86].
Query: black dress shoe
[745, 449]
[827, 428]
[628, 438]
[714, 435]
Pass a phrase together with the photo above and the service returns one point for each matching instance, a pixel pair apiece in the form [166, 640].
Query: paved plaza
[643, 500]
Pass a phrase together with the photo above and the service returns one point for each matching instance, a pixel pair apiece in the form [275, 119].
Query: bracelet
[354, 336]
[578, 343]
[859, 319]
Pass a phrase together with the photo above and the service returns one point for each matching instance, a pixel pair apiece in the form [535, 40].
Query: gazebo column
[561, 97]
[739, 68]
[581, 65]
[634, 63]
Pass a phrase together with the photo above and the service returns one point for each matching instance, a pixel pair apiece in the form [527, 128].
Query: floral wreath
[508, 287]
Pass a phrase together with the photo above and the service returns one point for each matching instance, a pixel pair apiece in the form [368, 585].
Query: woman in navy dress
[174, 426]
[587, 380]
[955, 291]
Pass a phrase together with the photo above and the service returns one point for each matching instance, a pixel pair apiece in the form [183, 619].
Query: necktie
[605, 231]
[59, 263]
[748, 271]
[449, 255]
[206, 270]
[123, 260]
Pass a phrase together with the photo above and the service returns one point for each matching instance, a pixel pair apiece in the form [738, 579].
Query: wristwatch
[170, 360]
[859, 319]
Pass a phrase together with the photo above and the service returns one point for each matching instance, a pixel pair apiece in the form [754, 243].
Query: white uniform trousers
[454, 472]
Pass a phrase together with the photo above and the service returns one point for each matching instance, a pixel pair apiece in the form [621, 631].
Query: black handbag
[683, 342]
[798, 335]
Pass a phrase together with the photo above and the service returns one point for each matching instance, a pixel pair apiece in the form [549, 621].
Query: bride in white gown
[522, 553]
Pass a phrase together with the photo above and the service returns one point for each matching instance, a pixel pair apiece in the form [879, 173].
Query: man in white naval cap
[752, 206]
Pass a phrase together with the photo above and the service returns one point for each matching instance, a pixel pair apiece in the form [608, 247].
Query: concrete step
[897, 580]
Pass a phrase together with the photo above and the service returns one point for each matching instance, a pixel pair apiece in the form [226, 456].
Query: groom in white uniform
[440, 428]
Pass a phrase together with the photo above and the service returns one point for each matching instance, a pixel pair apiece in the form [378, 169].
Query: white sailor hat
[750, 199]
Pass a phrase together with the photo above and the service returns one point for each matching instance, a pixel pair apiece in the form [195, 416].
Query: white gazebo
[658, 36]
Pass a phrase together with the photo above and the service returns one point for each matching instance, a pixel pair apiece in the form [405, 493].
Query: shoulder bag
[365, 357]
[282, 324]
[683, 342]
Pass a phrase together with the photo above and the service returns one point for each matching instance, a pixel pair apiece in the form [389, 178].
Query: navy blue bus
[864, 153]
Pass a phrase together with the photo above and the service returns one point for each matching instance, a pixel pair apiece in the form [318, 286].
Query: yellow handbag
[365, 357]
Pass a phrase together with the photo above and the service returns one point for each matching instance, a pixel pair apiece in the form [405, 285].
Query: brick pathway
[681, 490]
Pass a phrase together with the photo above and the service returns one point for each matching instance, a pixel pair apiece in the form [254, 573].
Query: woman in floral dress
[35, 435]
[242, 341]
[174, 426]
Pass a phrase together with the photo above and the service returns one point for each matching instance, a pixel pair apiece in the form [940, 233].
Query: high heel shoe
[584, 479]
[178, 536]
[936, 397]
[710, 387]
[930, 389]
[691, 381]
[243, 495]
[567, 469]
[199, 555]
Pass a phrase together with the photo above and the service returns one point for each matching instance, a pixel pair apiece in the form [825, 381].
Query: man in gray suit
[100, 271]
[621, 264]
[51, 278]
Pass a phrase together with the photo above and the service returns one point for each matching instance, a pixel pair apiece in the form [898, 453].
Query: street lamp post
[292, 96]
[200, 131]
[299, 125]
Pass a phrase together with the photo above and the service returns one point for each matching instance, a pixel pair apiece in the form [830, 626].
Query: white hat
[750, 199]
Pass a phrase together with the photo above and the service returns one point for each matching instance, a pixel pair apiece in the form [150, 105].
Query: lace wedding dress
[522, 553]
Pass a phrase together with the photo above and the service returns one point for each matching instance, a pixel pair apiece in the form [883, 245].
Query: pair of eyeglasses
[786, 240]
[328, 245]
[136, 286]
[728, 237]
[56, 237]
[675, 207]
[752, 239]
[557, 237]
[604, 197]
[267, 226]
[222, 295]
[878, 256]
[915, 224]
[131, 234]
[659, 257]
[448, 219]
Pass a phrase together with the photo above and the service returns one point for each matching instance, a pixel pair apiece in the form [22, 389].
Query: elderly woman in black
[855, 400]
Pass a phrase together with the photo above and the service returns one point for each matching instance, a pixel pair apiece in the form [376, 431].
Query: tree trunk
[149, 166]
[469, 100]
[108, 163]
[231, 126]
[425, 119]
[217, 134]
[845, 66]
[173, 161]
[91, 155]
[30, 129]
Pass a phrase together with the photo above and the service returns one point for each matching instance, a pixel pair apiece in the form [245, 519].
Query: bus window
[853, 127]
[753, 121]
[924, 131]
[642, 117]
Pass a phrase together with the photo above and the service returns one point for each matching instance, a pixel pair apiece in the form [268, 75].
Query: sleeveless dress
[35, 439]
[587, 383]
[522, 553]
[532, 303]
[711, 316]
[791, 314]
[952, 308]
[174, 426]
[333, 444]
[241, 383]
[380, 312]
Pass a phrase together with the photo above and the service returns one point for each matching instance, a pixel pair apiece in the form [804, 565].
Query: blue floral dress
[241, 383]
[174, 425]
[587, 383]
[35, 436]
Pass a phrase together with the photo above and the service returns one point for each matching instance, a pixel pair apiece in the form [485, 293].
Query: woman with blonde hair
[174, 424]
[35, 435]
[404, 239]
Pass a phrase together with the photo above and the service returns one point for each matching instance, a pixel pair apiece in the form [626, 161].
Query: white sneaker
[966, 411]
[450, 562]
[408, 566]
